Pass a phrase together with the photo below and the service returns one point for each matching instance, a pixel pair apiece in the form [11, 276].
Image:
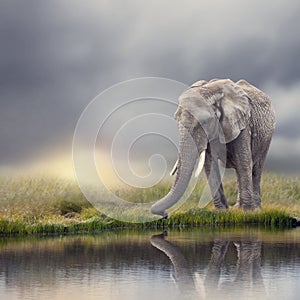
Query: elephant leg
[245, 186]
[212, 277]
[214, 180]
[256, 177]
[248, 272]
[242, 156]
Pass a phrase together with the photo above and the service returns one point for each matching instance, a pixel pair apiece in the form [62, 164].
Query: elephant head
[208, 111]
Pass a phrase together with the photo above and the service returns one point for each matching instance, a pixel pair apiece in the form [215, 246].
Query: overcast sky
[56, 56]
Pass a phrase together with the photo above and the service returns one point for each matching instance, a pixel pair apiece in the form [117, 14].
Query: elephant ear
[195, 108]
[232, 109]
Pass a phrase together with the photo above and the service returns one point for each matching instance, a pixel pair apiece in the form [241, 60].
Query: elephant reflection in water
[183, 276]
[248, 279]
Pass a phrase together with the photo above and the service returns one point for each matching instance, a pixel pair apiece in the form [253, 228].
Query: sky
[56, 56]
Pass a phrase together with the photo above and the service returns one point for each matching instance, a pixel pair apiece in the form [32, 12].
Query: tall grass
[52, 205]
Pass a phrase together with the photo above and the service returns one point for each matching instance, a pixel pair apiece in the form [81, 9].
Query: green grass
[55, 206]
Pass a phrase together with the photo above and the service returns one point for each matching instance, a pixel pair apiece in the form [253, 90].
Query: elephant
[182, 276]
[246, 282]
[214, 115]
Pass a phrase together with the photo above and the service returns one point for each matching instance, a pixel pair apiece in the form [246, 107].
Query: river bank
[55, 206]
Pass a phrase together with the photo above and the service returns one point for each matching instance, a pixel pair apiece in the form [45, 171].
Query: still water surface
[201, 263]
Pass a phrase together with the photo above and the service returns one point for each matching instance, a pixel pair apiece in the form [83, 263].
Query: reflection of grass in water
[44, 205]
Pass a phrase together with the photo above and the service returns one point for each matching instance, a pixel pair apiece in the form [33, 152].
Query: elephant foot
[247, 203]
[255, 204]
[221, 207]
[251, 208]
[257, 201]
[220, 203]
[248, 207]
[257, 208]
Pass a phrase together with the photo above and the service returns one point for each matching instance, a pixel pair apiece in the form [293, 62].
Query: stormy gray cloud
[55, 56]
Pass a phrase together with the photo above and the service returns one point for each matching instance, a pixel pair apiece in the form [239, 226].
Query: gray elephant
[212, 116]
[248, 280]
[183, 275]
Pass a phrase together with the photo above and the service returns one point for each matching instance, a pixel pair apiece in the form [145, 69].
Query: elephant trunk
[187, 156]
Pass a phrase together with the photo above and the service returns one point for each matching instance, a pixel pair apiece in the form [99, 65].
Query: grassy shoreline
[52, 206]
[273, 218]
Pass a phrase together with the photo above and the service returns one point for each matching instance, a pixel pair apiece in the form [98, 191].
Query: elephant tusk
[174, 168]
[200, 163]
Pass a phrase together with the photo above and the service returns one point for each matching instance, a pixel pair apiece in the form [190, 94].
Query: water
[201, 263]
